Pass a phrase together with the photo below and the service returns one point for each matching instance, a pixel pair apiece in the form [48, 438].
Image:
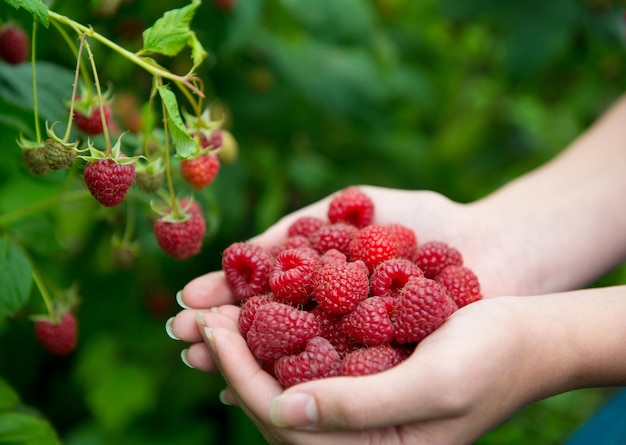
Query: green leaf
[36, 7]
[8, 397]
[26, 429]
[171, 34]
[54, 86]
[15, 278]
[182, 139]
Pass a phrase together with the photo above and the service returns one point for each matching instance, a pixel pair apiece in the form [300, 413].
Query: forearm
[567, 219]
[577, 340]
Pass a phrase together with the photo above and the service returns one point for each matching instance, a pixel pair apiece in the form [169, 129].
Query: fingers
[250, 385]
[197, 356]
[206, 291]
[409, 392]
[184, 327]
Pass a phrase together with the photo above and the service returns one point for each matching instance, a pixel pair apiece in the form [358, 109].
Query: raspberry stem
[168, 165]
[70, 119]
[43, 290]
[105, 128]
[34, 75]
[74, 48]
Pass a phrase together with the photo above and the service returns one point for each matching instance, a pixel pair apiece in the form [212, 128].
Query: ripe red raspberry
[433, 256]
[199, 172]
[57, 336]
[246, 269]
[390, 276]
[226, 6]
[351, 206]
[91, 123]
[373, 245]
[108, 180]
[292, 242]
[318, 360]
[369, 322]
[421, 307]
[461, 283]
[305, 226]
[340, 287]
[329, 329]
[405, 238]
[280, 329]
[333, 236]
[333, 256]
[181, 238]
[366, 361]
[291, 278]
[248, 311]
[14, 43]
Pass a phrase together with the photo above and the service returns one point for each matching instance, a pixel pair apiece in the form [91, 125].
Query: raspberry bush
[421, 95]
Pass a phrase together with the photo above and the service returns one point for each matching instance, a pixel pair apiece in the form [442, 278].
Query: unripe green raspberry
[35, 160]
[58, 155]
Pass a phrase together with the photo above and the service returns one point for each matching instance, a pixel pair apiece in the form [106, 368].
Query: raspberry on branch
[179, 234]
[200, 171]
[14, 44]
[58, 335]
[87, 116]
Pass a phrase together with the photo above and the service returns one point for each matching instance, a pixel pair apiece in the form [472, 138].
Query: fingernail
[200, 320]
[179, 300]
[183, 357]
[293, 410]
[168, 329]
[208, 333]
[224, 397]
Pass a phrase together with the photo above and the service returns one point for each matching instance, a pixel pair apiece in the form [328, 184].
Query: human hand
[432, 217]
[461, 381]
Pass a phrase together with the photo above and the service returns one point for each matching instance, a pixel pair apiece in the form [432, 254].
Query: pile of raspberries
[344, 296]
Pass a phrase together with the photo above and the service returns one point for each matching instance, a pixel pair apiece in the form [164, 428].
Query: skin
[533, 243]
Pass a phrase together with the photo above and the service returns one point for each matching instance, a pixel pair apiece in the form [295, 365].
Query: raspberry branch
[183, 82]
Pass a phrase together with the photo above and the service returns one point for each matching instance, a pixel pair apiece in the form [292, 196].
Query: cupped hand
[461, 381]
[431, 215]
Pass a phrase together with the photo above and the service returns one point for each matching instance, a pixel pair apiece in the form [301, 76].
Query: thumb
[397, 396]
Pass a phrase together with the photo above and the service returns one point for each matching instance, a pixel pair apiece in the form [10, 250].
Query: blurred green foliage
[457, 97]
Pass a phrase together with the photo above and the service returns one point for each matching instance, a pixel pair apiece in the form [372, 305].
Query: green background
[457, 97]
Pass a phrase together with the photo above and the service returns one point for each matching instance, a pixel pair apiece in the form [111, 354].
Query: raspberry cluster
[344, 296]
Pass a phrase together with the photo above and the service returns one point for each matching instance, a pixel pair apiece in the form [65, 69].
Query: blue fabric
[606, 427]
